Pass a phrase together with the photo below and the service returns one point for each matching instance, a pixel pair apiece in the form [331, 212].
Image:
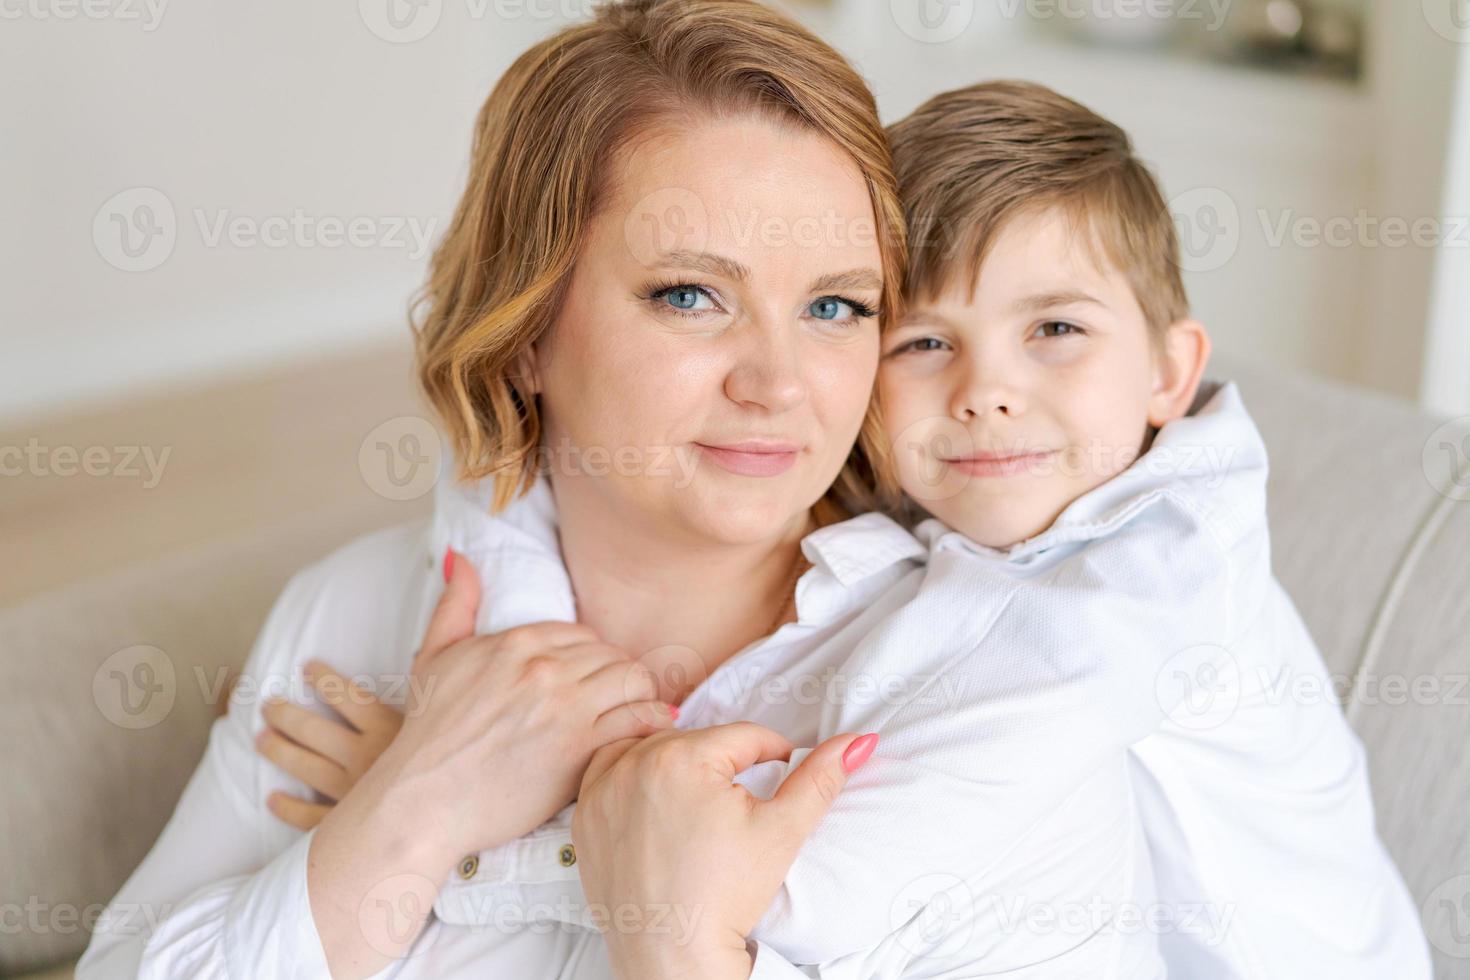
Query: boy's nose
[981, 396]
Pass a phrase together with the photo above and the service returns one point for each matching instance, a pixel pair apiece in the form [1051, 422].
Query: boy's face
[1003, 410]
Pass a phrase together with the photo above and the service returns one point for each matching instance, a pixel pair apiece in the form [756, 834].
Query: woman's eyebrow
[728, 268]
[851, 279]
[707, 262]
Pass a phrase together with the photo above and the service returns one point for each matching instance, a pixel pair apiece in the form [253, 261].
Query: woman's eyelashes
[681, 298]
[695, 301]
[829, 308]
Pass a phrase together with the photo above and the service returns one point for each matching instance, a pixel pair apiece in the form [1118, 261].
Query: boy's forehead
[1047, 253]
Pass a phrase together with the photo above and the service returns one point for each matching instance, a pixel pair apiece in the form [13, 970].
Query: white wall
[1447, 357]
[246, 111]
[1412, 81]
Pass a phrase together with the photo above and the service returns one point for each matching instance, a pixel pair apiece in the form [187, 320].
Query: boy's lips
[998, 464]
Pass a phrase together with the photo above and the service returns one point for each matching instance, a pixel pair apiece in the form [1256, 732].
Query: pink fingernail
[674, 711]
[857, 753]
[448, 564]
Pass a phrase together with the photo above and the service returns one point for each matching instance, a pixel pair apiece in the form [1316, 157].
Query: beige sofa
[266, 474]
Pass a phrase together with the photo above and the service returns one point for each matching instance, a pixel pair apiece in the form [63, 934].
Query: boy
[1040, 400]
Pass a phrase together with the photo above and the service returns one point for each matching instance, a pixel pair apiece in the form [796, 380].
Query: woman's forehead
[744, 178]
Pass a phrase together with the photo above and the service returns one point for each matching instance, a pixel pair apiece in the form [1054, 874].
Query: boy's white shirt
[1254, 789]
[996, 828]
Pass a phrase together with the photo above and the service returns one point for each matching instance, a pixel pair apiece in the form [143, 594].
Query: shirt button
[568, 855]
[469, 866]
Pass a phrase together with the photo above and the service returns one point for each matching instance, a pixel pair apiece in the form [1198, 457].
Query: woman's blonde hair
[543, 146]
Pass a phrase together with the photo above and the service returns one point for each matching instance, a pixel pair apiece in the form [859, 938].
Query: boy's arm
[1001, 715]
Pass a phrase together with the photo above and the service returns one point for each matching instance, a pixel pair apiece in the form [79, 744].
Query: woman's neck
[683, 607]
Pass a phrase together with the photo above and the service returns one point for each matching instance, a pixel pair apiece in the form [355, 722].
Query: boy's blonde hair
[972, 159]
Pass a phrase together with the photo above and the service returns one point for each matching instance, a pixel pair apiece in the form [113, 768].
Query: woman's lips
[753, 458]
[998, 464]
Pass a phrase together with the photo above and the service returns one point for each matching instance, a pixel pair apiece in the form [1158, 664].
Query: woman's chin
[743, 515]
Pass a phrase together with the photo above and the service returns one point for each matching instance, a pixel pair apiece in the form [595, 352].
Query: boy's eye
[1057, 328]
[922, 344]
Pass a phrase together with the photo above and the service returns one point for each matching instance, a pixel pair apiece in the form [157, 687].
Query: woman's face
[715, 352]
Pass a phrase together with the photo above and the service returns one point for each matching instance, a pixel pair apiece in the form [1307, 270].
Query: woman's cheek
[843, 377]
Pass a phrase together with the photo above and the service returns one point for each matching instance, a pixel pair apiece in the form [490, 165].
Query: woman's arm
[240, 894]
[525, 709]
[522, 708]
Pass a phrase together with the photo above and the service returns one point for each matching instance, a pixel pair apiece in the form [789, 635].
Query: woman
[630, 284]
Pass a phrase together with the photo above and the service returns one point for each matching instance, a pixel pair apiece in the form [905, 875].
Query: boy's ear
[1184, 350]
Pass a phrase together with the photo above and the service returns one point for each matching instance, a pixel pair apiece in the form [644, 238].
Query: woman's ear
[1179, 364]
[527, 370]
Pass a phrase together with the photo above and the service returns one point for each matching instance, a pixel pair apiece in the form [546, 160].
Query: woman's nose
[768, 372]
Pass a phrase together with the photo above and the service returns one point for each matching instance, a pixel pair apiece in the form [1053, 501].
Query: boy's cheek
[906, 402]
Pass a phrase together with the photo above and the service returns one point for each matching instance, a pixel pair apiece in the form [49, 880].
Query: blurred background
[214, 213]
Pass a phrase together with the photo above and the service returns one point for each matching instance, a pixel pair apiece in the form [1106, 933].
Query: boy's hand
[328, 755]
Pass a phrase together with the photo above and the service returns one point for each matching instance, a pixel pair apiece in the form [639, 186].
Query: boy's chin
[992, 526]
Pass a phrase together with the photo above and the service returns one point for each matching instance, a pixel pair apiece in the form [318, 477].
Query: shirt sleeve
[222, 893]
[257, 925]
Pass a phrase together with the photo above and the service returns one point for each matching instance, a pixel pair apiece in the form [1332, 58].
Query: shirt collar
[848, 552]
[1213, 458]
[463, 519]
[860, 547]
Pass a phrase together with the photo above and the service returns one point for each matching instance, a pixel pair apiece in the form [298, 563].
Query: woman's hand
[498, 732]
[500, 728]
[660, 828]
[328, 756]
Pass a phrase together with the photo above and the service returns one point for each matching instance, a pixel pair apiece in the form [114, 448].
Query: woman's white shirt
[933, 874]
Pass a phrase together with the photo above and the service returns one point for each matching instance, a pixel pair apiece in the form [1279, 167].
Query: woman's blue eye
[684, 298]
[830, 308]
[1057, 328]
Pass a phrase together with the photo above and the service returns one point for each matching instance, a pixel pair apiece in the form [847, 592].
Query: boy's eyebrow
[728, 268]
[1059, 297]
[920, 318]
